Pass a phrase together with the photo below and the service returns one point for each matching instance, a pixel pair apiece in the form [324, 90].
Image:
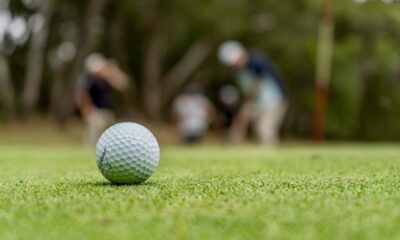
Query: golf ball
[127, 153]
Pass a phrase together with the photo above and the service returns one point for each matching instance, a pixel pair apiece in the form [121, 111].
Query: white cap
[94, 62]
[230, 52]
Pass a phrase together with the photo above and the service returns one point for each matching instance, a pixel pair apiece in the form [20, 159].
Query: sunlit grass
[337, 192]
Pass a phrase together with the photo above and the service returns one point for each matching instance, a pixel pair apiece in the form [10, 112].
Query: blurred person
[229, 103]
[265, 94]
[94, 94]
[192, 112]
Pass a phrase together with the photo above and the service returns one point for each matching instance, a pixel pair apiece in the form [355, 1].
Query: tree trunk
[86, 41]
[34, 73]
[118, 46]
[181, 72]
[57, 92]
[152, 65]
[6, 90]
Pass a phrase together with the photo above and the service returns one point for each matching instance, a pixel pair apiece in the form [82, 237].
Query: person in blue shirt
[264, 90]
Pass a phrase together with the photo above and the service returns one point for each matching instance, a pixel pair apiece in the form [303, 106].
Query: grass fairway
[333, 192]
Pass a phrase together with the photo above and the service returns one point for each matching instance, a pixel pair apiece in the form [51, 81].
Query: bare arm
[84, 103]
[115, 76]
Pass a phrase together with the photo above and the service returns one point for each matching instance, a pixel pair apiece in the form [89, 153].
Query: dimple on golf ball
[127, 153]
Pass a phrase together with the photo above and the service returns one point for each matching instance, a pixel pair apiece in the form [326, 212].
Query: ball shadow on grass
[109, 184]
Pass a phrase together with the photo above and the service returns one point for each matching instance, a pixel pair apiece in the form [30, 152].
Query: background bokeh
[163, 45]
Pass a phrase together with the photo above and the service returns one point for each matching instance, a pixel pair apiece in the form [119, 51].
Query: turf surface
[335, 192]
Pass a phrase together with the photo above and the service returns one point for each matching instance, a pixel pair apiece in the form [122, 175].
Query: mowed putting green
[330, 192]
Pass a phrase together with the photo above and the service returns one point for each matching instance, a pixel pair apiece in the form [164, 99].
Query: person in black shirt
[94, 94]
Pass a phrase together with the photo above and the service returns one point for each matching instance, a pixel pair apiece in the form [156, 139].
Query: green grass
[335, 192]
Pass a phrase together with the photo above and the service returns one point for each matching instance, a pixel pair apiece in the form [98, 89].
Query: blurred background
[340, 61]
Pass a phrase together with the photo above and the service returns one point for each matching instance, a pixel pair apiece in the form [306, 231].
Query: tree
[63, 95]
[6, 90]
[36, 58]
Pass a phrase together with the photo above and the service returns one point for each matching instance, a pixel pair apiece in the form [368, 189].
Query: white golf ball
[127, 153]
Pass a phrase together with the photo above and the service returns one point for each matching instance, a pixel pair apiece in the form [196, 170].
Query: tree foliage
[163, 45]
